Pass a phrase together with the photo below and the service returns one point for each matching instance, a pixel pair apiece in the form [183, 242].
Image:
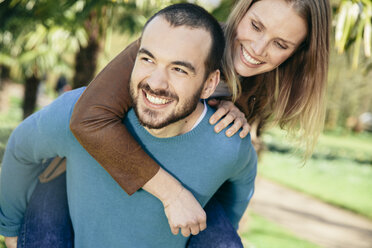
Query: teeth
[156, 100]
[249, 58]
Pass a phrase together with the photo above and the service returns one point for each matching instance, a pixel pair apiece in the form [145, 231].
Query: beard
[158, 119]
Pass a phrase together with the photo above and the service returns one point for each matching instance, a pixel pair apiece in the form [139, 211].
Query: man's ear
[210, 84]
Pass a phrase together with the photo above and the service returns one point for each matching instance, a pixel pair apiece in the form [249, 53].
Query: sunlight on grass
[340, 177]
[2, 243]
[261, 233]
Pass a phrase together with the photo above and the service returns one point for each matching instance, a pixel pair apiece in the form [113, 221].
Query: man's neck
[180, 127]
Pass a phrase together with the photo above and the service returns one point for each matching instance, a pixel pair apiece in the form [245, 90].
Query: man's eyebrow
[262, 24]
[185, 64]
[147, 52]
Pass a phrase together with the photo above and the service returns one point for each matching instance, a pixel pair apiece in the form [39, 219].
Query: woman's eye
[255, 27]
[280, 45]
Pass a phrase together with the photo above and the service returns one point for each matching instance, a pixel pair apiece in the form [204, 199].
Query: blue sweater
[103, 215]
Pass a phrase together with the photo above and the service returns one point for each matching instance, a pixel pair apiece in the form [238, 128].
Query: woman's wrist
[163, 186]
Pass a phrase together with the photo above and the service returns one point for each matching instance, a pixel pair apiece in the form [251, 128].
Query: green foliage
[354, 25]
[9, 121]
[222, 12]
[349, 91]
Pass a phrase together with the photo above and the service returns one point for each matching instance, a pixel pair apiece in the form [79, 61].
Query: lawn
[261, 233]
[339, 173]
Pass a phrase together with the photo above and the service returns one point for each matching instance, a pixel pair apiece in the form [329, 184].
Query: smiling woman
[267, 35]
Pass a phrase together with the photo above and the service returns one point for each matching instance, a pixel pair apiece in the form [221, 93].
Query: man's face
[168, 76]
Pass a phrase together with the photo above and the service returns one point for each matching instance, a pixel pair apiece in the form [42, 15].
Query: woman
[279, 50]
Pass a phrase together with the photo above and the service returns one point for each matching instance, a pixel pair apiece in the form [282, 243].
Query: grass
[339, 173]
[2, 243]
[262, 233]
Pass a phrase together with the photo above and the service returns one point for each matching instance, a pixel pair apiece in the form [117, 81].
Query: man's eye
[148, 60]
[255, 27]
[177, 69]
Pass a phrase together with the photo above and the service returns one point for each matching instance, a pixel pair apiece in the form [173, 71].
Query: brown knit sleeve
[97, 125]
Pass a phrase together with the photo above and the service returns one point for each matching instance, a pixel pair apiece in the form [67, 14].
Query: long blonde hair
[293, 94]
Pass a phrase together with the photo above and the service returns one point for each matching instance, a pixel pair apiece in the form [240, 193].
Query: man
[171, 74]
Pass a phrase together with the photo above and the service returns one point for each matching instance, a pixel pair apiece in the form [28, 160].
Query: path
[311, 219]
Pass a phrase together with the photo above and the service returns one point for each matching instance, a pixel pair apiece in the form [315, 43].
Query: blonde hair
[293, 94]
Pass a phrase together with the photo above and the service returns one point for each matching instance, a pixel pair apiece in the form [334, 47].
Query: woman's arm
[96, 123]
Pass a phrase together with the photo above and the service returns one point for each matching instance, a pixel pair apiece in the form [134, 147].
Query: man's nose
[158, 79]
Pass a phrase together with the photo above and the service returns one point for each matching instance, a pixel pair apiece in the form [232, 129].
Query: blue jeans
[47, 222]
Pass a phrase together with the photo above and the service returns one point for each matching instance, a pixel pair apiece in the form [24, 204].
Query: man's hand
[186, 213]
[11, 242]
[180, 206]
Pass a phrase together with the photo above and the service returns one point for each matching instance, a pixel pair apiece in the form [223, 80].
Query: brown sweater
[96, 123]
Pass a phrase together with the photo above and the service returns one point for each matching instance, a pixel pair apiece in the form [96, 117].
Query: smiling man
[177, 66]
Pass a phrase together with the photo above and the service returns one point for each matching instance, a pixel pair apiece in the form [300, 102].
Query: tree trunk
[86, 58]
[30, 96]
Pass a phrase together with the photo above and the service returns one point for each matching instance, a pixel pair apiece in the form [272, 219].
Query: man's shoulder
[64, 104]
[231, 145]
[71, 97]
[221, 136]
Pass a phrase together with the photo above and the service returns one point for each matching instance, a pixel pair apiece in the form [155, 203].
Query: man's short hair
[194, 16]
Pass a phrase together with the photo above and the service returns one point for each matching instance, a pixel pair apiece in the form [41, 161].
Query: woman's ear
[210, 84]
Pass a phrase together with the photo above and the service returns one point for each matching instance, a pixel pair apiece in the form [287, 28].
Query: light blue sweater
[103, 215]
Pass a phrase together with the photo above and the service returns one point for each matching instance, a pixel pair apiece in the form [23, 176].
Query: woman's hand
[229, 114]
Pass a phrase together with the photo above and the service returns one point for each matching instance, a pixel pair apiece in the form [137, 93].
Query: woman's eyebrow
[258, 20]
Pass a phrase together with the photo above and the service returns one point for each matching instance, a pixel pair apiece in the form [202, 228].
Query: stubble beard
[153, 119]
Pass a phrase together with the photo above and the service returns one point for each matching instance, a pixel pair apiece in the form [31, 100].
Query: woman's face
[268, 34]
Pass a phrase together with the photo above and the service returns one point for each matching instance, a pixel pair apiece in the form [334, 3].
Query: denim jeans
[47, 222]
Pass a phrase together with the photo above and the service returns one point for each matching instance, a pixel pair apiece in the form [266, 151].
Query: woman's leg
[47, 220]
[219, 233]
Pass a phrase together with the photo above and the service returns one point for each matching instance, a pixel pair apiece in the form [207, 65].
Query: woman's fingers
[246, 130]
[220, 112]
[227, 113]
[227, 120]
